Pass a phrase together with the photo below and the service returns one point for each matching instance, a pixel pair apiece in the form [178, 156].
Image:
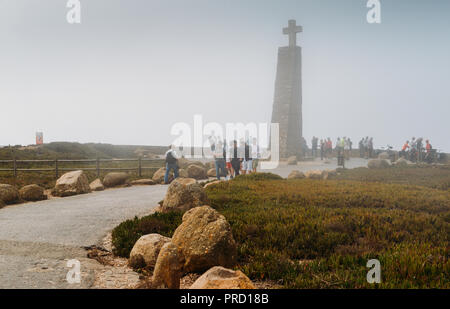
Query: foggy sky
[133, 68]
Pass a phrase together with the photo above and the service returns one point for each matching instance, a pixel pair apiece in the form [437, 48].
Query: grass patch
[320, 234]
[437, 177]
[125, 235]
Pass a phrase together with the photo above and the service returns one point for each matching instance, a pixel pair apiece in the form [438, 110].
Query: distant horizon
[144, 145]
[132, 69]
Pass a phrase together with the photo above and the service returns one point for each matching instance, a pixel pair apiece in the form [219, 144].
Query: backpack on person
[170, 159]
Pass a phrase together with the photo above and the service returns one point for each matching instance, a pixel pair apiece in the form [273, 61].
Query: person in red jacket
[405, 148]
[428, 146]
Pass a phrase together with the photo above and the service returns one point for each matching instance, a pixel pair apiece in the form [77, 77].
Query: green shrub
[125, 235]
[257, 176]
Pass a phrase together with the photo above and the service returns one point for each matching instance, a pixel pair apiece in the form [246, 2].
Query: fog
[132, 69]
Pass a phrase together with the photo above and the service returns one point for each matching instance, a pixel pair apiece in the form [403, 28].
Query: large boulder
[158, 176]
[327, 173]
[383, 156]
[205, 240]
[72, 183]
[402, 162]
[183, 173]
[184, 163]
[197, 172]
[378, 163]
[32, 193]
[115, 179]
[209, 184]
[292, 160]
[211, 172]
[8, 194]
[296, 175]
[222, 278]
[183, 194]
[143, 182]
[168, 268]
[209, 165]
[185, 181]
[198, 163]
[147, 249]
[314, 174]
[97, 185]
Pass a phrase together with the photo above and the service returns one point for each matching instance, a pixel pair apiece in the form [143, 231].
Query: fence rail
[98, 168]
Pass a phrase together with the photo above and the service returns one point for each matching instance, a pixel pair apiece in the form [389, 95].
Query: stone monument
[287, 103]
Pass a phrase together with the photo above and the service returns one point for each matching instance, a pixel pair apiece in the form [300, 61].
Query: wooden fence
[57, 165]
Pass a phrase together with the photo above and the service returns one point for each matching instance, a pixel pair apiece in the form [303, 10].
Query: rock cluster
[8, 194]
[205, 240]
[72, 183]
[202, 241]
[378, 163]
[147, 249]
[184, 194]
[222, 278]
[97, 185]
[32, 193]
[197, 172]
[296, 175]
[115, 179]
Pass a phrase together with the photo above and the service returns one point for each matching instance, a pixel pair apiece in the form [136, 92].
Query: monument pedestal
[287, 105]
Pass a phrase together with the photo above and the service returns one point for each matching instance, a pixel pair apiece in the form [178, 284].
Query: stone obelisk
[287, 104]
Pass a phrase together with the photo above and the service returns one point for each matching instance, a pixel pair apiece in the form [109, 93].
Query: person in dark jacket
[171, 164]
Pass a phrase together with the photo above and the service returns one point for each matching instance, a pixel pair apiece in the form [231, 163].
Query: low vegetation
[316, 234]
[320, 234]
[125, 235]
[67, 150]
[437, 177]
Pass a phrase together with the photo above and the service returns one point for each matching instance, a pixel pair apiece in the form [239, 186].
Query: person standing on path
[228, 157]
[255, 154]
[248, 162]
[219, 160]
[322, 149]
[370, 147]
[235, 160]
[171, 164]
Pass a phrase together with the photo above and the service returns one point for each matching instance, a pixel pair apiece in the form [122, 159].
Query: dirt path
[37, 239]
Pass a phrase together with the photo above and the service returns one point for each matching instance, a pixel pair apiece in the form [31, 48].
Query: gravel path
[37, 239]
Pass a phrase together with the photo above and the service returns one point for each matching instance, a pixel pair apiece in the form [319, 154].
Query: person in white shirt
[255, 154]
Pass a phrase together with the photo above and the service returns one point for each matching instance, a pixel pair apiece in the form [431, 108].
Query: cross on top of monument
[292, 31]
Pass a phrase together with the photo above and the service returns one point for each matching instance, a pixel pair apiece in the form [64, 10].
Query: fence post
[98, 167]
[56, 169]
[140, 167]
[15, 167]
